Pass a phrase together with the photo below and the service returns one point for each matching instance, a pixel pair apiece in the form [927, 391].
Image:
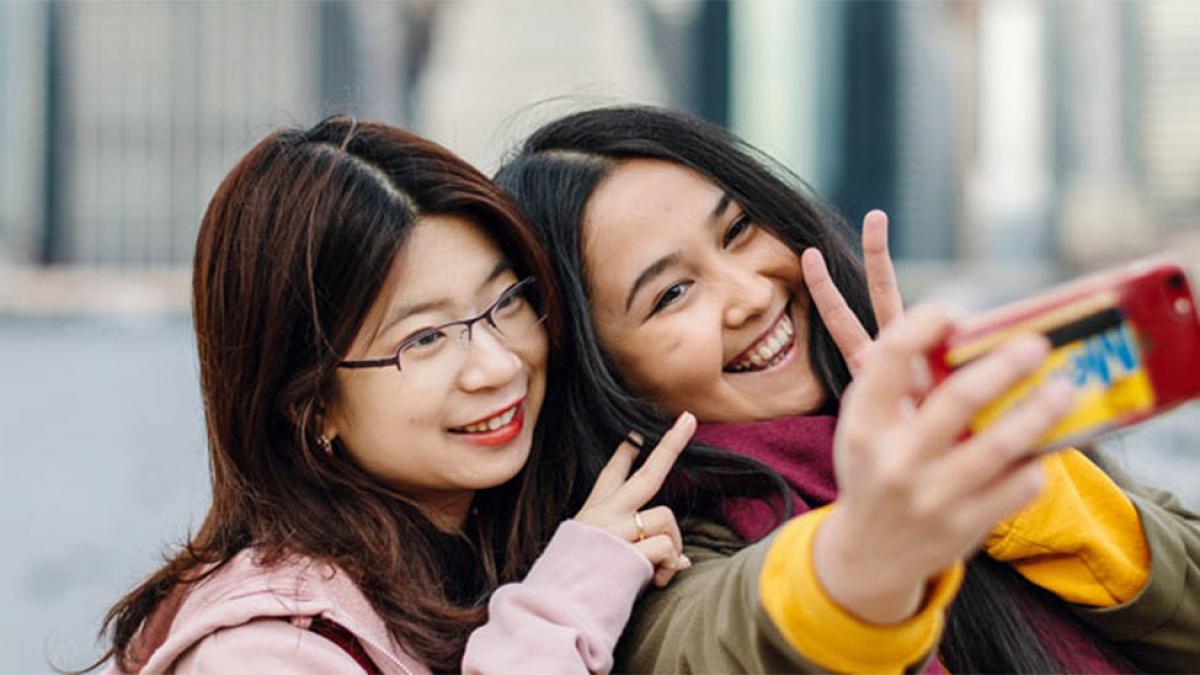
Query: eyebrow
[722, 204]
[659, 266]
[656, 268]
[404, 311]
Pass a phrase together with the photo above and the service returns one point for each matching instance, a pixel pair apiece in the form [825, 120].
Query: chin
[806, 405]
[498, 470]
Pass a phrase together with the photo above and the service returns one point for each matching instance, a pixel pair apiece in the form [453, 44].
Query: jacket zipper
[362, 637]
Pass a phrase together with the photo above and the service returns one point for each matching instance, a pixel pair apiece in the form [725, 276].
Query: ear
[319, 418]
[328, 429]
[324, 421]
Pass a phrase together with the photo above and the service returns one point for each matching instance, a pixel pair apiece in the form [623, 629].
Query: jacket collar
[243, 590]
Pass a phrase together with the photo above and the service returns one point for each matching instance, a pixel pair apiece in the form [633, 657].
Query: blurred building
[1011, 130]
[22, 134]
[1036, 137]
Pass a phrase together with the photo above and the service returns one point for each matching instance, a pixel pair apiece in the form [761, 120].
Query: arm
[1127, 557]
[265, 646]
[567, 614]
[1160, 627]
[762, 609]
[1081, 539]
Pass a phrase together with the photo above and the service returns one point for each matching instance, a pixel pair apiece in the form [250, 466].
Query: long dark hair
[292, 252]
[552, 176]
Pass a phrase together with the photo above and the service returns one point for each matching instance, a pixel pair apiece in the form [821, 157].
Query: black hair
[552, 176]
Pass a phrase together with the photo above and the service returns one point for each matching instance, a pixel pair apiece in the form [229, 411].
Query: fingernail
[636, 438]
[1031, 350]
[684, 562]
[685, 418]
[1061, 394]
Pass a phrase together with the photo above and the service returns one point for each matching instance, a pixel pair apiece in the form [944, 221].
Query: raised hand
[913, 499]
[845, 328]
[617, 498]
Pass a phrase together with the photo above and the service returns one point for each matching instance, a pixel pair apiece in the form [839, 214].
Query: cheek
[672, 362]
[534, 358]
[537, 376]
[777, 260]
[375, 415]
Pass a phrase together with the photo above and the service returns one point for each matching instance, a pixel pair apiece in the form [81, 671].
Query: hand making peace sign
[617, 498]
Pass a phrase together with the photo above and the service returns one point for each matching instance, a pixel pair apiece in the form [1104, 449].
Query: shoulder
[262, 646]
[251, 604]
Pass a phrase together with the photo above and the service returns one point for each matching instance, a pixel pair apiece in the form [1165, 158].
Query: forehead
[443, 253]
[648, 194]
[644, 209]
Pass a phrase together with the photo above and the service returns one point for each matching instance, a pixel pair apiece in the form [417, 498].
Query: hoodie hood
[296, 589]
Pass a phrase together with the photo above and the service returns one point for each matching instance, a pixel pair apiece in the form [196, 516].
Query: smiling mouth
[769, 350]
[493, 422]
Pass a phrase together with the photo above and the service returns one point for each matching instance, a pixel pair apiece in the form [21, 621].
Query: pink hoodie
[565, 617]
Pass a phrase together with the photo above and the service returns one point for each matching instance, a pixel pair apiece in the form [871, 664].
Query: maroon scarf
[800, 449]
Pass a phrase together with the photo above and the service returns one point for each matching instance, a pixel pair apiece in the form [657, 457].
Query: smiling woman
[704, 263]
[378, 466]
[452, 377]
[837, 526]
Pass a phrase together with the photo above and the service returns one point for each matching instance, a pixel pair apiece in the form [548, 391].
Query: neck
[448, 511]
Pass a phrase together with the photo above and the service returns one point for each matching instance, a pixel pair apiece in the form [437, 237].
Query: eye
[739, 227]
[669, 296]
[422, 341]
[511, 300]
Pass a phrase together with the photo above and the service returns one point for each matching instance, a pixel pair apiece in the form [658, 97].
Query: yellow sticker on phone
[1108, 376]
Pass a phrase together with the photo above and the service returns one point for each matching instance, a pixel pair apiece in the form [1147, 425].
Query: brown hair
[291, 254]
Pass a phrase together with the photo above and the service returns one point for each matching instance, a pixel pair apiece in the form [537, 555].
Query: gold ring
[641, 527]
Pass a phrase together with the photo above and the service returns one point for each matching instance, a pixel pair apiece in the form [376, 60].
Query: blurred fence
[1001, 129]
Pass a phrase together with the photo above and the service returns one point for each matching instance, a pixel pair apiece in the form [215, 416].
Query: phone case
[1128, 340]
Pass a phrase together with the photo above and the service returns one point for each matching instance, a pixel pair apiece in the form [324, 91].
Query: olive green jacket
[710, 619]
[1160, 629]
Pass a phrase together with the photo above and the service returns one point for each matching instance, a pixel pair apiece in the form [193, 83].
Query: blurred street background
[1014, 143]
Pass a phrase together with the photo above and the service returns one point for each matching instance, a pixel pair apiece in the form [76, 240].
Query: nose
[748, 294]
[490, 364]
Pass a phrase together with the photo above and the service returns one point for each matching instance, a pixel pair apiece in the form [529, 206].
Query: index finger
[646, 481]
[887, 376]
[614, 472]
[881, 275]
[843, 324]
[949, 408]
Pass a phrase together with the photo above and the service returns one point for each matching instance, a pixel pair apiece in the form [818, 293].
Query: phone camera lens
[1182, 306]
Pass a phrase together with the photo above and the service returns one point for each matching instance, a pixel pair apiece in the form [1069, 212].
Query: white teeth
[493, 423]
[769, 348]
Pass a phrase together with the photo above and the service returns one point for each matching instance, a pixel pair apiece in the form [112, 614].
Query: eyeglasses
[512, 316]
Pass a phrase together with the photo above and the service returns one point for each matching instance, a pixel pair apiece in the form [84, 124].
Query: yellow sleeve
[1082, 539]
[830, 636]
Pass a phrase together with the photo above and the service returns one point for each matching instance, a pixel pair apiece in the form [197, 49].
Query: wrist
[874, 593]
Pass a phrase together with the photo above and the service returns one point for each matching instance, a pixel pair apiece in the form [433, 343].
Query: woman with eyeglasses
[376, 334]
[829, 521]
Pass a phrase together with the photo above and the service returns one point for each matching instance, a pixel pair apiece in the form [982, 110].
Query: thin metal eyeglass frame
[486, 315]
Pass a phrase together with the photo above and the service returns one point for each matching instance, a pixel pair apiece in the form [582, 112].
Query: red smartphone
[1127, 339]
